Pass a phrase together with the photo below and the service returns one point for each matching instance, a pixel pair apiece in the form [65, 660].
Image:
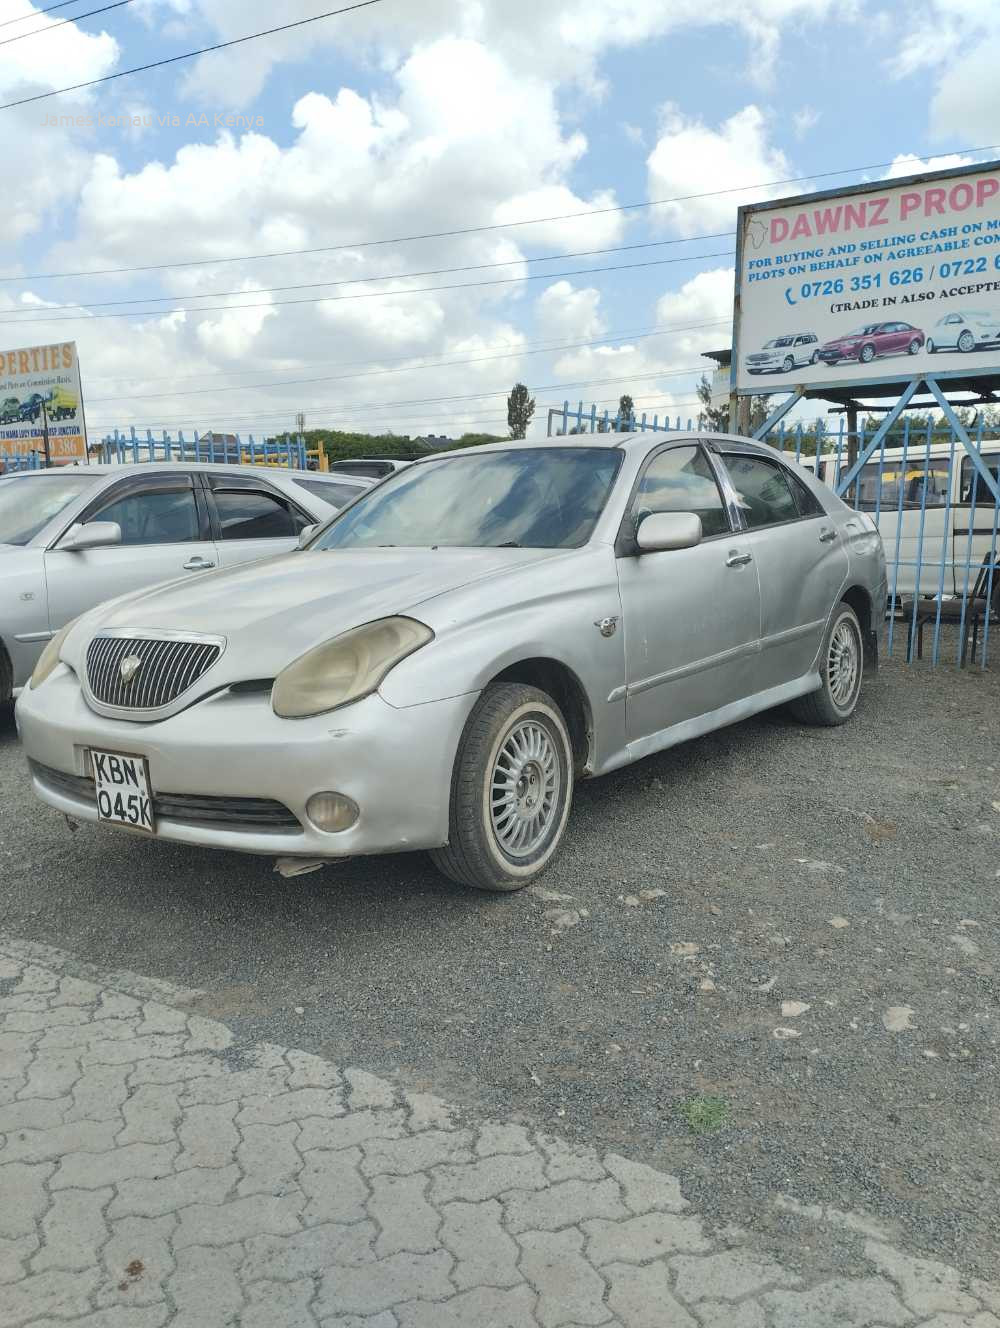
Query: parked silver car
[446, 657]
[72, 537]
[970, 329]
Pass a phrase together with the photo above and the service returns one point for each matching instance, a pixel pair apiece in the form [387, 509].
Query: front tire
[966, 342]
[511, 790]
[788, 364]
[867, 353]
[841, 669]
[6, 679]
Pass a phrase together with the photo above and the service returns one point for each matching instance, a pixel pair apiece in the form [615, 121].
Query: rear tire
[511, 790]
[842, 671]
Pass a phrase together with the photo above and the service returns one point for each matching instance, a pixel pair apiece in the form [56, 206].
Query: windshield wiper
[508, 544]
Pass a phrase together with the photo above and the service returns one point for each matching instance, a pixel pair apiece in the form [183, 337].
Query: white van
[937, 518]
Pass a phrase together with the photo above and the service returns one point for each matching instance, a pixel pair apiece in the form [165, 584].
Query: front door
[165, 536]
[691, 616]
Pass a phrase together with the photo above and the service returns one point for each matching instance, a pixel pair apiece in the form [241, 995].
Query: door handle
[826, 535]
[738, 559]
[198, 565]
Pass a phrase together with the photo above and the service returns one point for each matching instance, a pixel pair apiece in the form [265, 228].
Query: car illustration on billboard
[969, 329]
[866, 343]
[785, 353]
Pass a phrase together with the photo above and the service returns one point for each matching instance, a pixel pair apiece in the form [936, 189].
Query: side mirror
[93, 535]
[668, 530]
[306, 534]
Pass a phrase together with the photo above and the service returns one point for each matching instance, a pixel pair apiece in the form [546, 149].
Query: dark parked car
[865, 343]
[31, 407]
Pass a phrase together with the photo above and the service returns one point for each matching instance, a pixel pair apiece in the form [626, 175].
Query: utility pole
[45, 435]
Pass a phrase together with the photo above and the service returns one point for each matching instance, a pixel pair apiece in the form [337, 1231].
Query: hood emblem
[129, 667]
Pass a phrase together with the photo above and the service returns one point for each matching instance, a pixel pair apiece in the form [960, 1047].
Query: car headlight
[49, 657]
[347, 668]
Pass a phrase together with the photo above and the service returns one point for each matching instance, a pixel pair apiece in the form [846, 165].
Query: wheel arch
[562, 684]
[6, 675]
[861, 602]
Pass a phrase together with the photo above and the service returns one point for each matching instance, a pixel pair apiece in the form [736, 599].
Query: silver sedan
[72, 537]
[445, 658]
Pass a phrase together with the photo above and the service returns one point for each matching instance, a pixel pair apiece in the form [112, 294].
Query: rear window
[329, 491]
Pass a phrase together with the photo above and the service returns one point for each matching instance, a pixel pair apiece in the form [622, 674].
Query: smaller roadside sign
[39, 390]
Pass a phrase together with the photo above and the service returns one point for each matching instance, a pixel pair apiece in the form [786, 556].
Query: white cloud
[908, 163]
[561, 39]
[805, 119]
[956, 42]
[706, 298]
[690, 158]
[43, 62]
[565, 313]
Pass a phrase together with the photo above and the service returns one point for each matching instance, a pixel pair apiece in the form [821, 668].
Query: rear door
[165, 535]
[252, 519]
[800, 559]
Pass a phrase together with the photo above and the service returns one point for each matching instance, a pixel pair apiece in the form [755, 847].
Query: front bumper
[396, 764]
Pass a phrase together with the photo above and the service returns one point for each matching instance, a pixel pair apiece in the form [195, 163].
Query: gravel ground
[788, 934]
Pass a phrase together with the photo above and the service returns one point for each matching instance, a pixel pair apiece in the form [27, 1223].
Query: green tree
[716, 418]
[626, 414]
[520, 409]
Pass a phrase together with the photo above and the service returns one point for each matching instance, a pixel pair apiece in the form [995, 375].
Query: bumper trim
[259, 814]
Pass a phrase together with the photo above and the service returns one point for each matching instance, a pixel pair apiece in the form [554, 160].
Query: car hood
[271, 612]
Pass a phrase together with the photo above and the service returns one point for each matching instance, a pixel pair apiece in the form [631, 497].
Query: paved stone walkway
[151, 1173]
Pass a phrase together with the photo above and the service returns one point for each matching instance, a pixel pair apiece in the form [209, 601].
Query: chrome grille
[167, 668]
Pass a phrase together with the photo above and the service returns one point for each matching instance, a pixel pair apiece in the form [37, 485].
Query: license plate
[122, 785]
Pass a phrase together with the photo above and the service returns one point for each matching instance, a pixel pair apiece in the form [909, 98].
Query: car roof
[98, 468]
[626, 442]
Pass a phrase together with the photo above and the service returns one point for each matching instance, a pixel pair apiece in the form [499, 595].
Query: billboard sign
[875, 283]
[39, 387]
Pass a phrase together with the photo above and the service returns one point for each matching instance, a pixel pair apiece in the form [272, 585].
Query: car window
[887, 485]
[764, 495]
[983, 494]
[337, 495]
[255, 514]
[165, 515]
[681, 480]
[805, 500]
[529, 496]
[28, 503]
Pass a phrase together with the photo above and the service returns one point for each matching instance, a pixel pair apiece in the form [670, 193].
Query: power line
[75, 19]
[188, 55]
[354, 281]
[476, 230]
[366, 295]
[378, 373]
[350, 406]
[24, 17]
[548, 346]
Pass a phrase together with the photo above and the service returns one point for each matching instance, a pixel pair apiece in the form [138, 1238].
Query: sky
[350, 135]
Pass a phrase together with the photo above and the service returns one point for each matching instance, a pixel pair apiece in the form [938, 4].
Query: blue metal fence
[127, 446]
[11, 461]
[927, 487]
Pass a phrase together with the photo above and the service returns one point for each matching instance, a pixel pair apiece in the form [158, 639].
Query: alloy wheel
[843, 667]
[524, 789]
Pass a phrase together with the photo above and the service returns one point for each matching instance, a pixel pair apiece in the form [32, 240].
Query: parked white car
[75, 536]
[970, 329]
[785, 353]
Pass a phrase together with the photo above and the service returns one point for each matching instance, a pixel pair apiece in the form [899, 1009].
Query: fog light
[332, 812]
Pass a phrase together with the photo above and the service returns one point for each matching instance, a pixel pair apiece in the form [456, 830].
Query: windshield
[777, 341]
[29, 502]
[530, 497]
[865, 331]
